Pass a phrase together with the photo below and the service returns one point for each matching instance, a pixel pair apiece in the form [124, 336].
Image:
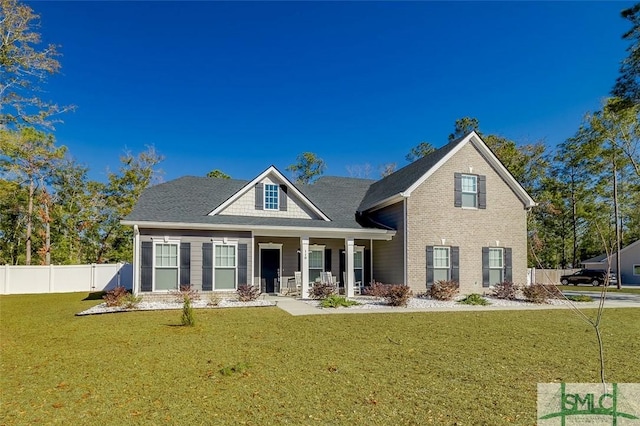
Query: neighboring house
[455, 214]
[629, 263]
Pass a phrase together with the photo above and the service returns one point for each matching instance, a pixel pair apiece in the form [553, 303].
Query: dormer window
[271, 197]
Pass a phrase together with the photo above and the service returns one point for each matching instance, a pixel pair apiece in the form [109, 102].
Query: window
[271, 192]
[316, 262]
[358, 264]
[496, 265]
[469, 191]
[636, 269]
[441, 264]
[166, 266]
[225, 264]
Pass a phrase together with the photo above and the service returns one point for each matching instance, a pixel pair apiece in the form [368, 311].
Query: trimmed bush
[321, 290]
[335, 301]
[247, 293]
[505, 290]
[377, 290]
[129, 301]
[115, 297]
[553, 291]
[536, 293]
[186, 292]
[444, 290]
[474, 299]
[398, 295]
[188, 319]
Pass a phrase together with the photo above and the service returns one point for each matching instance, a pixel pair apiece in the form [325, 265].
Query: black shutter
[429, 266]
[283, 198]
[367, 267]
[146, 266]
[207, 266]
[508, 273]
[485, 266]
[299, 254]
[457, 189]
[327, 260]
[185, 264]
[259, 196]
[342, 267]
[242, 264]
[454, 252]
[482, 192]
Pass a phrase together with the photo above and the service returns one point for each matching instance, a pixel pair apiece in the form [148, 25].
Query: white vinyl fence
[64, 278]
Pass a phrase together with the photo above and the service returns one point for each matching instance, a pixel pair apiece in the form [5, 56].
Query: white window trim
[320, 248]
[264, 196]
[213, 263]
[358, 249]
[462, 192]
[448, 267]
[501, 268]
[165, 242]
[636, 265]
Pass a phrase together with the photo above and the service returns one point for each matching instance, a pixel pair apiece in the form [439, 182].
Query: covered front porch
[290, 265]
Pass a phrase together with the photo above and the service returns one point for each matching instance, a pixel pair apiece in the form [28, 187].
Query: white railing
[64, 278]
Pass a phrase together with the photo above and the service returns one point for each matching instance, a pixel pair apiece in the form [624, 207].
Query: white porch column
[304, 265]
[348, 264]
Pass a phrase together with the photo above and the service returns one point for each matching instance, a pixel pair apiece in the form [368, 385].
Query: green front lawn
[611, 289]
[412, 368]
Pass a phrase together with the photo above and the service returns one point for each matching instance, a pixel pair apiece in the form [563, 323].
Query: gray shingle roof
[190, 199]
[402, 179]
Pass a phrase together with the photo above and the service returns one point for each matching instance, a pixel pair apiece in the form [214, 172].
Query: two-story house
[456, 214]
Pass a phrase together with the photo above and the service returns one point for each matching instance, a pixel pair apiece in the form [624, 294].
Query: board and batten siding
[196, 238]
[388, 256]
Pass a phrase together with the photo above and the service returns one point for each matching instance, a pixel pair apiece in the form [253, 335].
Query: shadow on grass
[95, 295]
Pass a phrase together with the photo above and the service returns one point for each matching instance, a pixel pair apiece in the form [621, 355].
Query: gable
[251, 202]
[271, 195]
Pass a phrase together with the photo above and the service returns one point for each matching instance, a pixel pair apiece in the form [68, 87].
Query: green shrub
[505, 290]
[129, 301]
[188, 318]
[474, 299]
[321, 290]
[247, 293]
[335, 301]
[580, 298]
[553, 292]
[536, 293]
[398, 295]
[114, 297]
[444, 290]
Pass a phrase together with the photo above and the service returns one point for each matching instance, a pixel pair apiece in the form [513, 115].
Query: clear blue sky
[242, 85]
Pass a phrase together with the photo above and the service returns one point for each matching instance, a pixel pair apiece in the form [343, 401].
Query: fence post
[118, 268]
[93, 277]
[5, 285]
[50, 278]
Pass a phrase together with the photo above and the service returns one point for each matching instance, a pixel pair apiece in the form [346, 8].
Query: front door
[270, 265]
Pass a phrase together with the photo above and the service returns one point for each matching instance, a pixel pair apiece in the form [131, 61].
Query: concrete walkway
[297, 307]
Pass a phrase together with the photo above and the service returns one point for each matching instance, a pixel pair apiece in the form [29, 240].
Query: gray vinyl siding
[196, 238]
[388, 256]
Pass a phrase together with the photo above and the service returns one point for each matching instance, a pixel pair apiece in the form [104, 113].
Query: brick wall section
[432, 217]
[246, 206]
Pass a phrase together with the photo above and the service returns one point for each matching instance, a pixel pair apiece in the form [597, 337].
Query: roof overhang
[273, 231]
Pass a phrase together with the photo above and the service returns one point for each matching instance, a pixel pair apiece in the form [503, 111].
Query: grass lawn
[610, 289]
[462, 368]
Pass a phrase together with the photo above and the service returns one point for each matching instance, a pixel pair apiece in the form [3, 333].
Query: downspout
[406, 259]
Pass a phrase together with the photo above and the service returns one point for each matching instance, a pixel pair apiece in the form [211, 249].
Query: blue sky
[239, 86]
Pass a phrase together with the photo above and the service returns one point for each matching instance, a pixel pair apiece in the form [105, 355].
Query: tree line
[588, 187]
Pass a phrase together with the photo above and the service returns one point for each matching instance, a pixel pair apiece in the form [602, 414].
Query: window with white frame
[271, 194]
[166, 266]
[636, 269]
[225, 264]
[496, 266]
[358, 265]
[470, 191]
[316, 262]
[441, 264]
